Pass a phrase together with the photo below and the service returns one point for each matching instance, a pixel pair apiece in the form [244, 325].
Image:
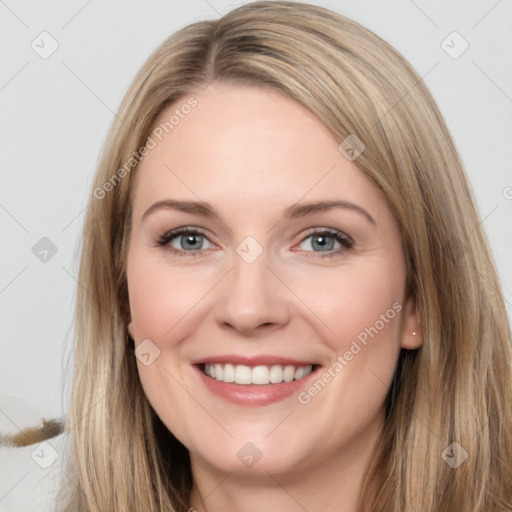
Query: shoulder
[31, 476]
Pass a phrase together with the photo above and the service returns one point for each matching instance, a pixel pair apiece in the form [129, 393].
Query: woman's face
[290, 282]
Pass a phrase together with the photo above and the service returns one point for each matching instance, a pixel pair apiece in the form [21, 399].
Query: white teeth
[242, 374]
[299, 373]
[289, 374]
[228, 374]
[262, 375]
[276, 374]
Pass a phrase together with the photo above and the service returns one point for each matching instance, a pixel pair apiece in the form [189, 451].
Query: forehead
[253, 147]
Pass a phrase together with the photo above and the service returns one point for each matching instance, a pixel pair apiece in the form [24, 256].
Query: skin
[251, 153]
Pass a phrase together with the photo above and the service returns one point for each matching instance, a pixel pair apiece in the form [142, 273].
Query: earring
[413, 333]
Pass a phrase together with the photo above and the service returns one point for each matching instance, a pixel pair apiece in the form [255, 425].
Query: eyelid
[327, 231]
[164, 240]
[344, 239]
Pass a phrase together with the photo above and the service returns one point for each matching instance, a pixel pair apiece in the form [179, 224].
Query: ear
[412, 334]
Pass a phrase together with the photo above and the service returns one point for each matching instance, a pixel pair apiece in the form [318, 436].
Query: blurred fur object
[32, 435]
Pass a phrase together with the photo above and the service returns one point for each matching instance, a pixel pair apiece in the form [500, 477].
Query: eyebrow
[295, 211]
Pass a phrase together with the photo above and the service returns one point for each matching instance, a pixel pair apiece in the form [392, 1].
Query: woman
[286, 296]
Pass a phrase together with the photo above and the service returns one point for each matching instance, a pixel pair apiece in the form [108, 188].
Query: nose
[252, 298]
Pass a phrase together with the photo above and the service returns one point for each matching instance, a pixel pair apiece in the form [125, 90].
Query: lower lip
[254, 394]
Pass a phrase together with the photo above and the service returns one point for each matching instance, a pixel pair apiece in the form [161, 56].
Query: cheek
[349, 300]
[159, 299]
[162, 303]
[362, 309]
[359, 314]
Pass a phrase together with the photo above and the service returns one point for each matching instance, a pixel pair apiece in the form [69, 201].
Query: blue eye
[322, 243]
[190, 241]
[184, 241]
[328, 242]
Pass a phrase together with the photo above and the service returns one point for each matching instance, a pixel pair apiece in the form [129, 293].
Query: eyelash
[345, 240]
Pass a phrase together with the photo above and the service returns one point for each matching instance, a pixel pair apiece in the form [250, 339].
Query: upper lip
[261, 360]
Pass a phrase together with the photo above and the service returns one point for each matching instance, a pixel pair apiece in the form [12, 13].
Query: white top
[30, 476]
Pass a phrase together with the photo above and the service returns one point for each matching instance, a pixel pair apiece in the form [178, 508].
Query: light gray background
[56, 113]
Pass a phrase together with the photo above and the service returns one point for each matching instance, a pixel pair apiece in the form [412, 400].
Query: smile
[256, 379]
[256, 375]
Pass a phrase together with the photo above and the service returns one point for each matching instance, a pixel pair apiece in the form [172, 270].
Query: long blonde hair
[455, 388]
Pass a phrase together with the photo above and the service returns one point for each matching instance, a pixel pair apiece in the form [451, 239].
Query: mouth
[254, 381]
[259, 375]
